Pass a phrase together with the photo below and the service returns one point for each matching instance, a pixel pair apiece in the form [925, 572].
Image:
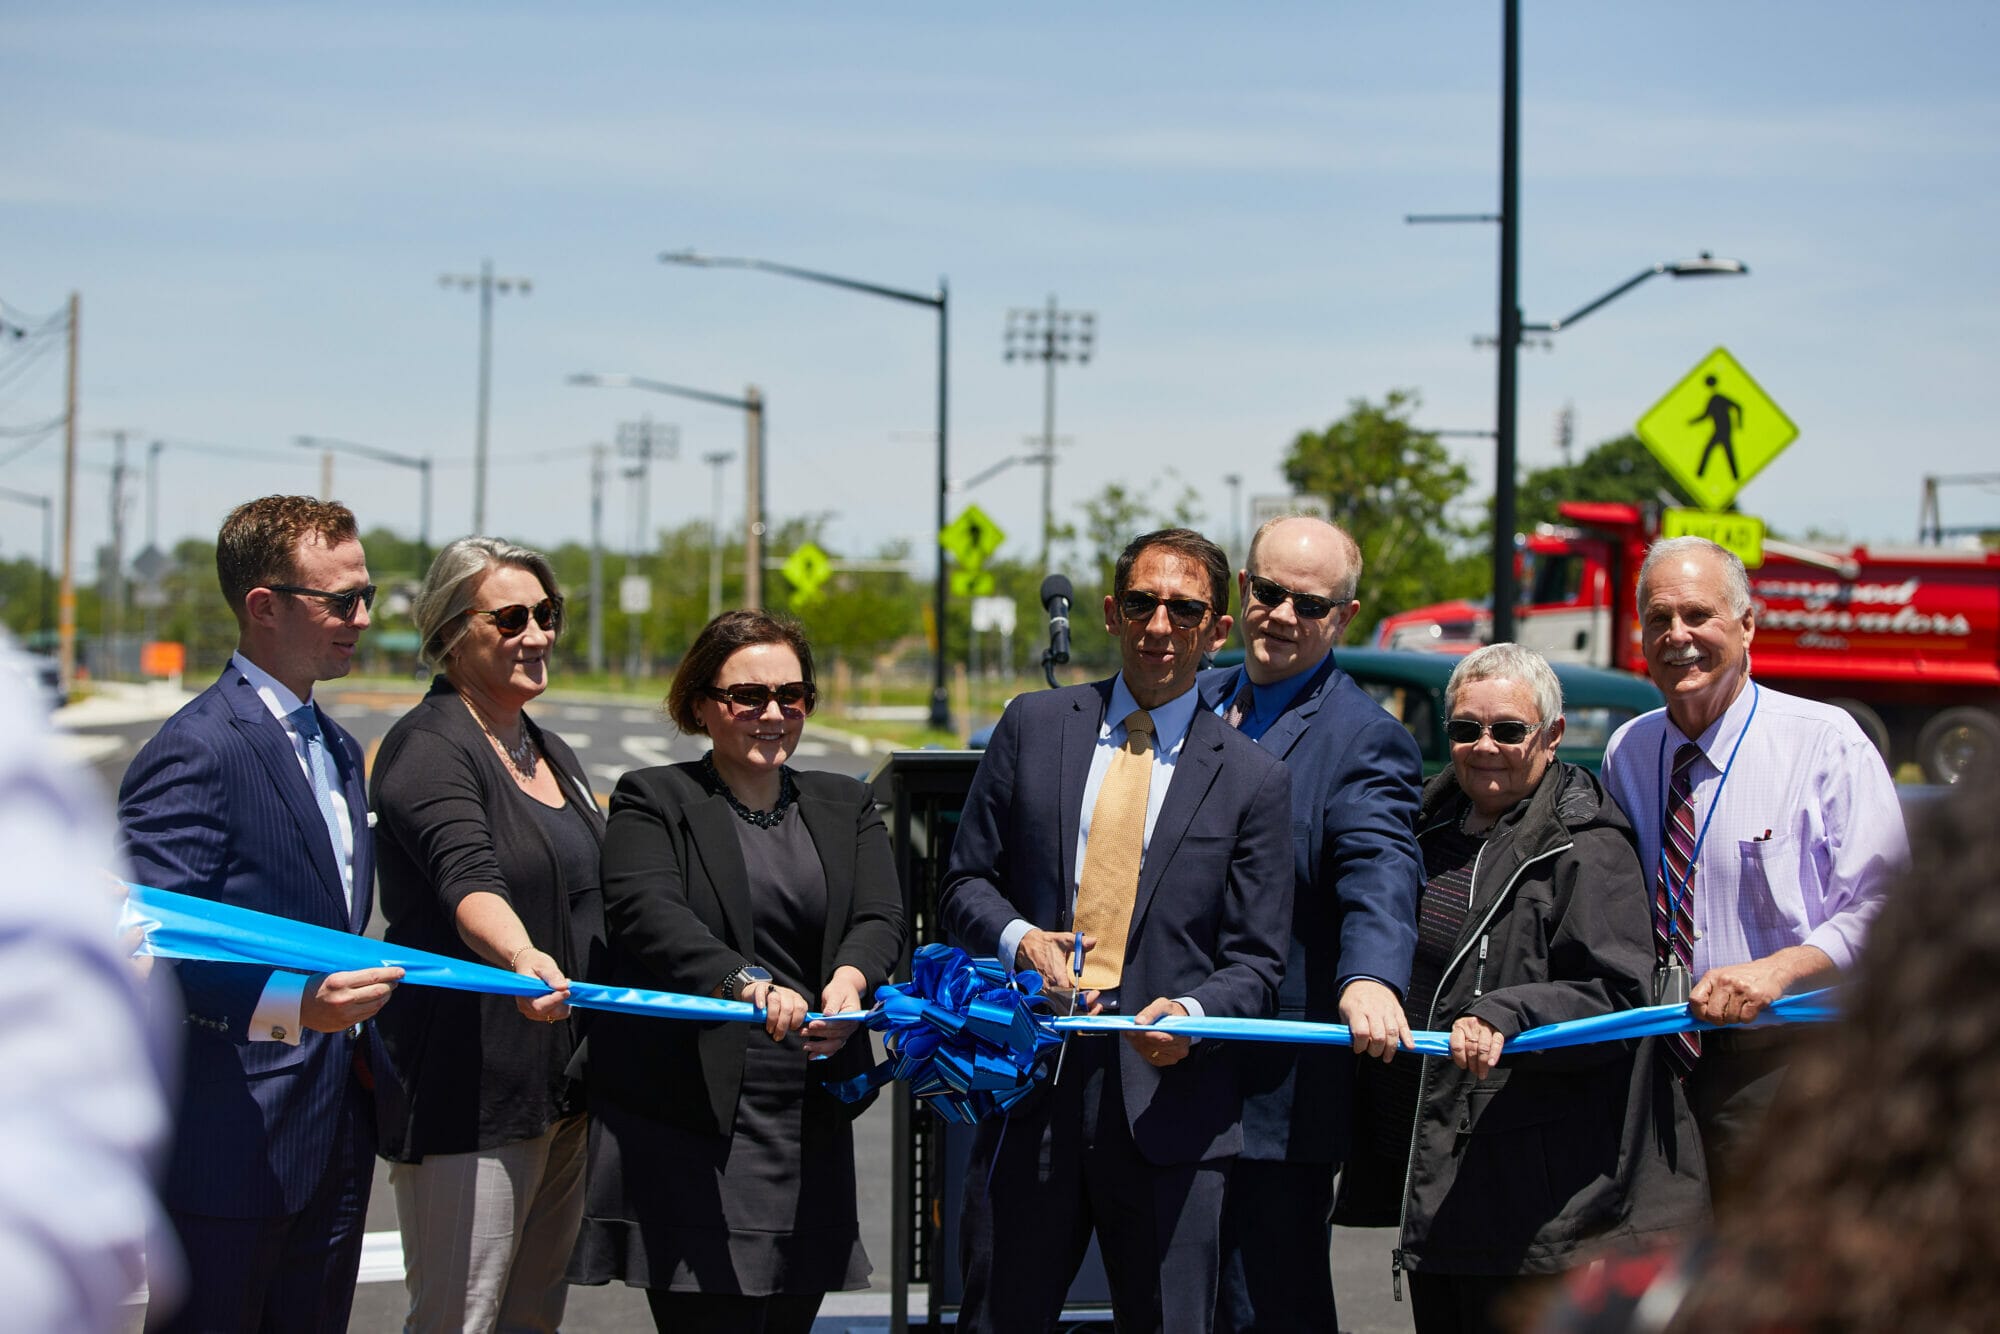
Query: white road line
[579, 713]
[647, 750]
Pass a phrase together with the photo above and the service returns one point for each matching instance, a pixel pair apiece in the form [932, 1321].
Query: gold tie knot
[1138, 723]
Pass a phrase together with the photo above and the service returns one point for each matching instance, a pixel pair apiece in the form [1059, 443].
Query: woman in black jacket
[488, 850]
[1534, 911]
[721, 1175]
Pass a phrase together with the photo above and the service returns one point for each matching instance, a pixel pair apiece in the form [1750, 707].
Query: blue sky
[256, 202]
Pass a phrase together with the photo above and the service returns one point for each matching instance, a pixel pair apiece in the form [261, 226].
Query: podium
[922, 793]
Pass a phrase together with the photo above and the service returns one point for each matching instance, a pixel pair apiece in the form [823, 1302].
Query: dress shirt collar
[1271, 698]
[277, 696]
[1170, 720]
[1720, 739]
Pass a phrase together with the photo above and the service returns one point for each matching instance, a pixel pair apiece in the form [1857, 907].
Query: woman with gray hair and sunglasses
[1496, 1165]
[487, 844]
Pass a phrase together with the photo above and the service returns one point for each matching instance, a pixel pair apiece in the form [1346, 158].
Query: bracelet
[514, 964]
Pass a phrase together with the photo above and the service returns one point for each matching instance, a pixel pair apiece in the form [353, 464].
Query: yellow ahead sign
[1741, 533]
[1715, 430]
[971, 537]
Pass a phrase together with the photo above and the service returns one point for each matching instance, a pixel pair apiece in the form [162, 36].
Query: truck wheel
[1870, 721]
[1959, 744]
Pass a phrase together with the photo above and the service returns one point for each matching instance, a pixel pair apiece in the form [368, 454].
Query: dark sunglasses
[1185, 613]
[1466, 732]
[340, 604]
[793, 696]
[513, 620]
[1309, 606]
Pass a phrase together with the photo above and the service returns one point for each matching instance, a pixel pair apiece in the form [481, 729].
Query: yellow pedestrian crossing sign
[806, 568]
[971, 537]
[1715, 430]
[972, 583]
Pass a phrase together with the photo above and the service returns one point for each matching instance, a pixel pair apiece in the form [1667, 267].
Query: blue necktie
[320, 765]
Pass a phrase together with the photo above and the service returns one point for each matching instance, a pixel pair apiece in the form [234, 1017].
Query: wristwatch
[733, 985]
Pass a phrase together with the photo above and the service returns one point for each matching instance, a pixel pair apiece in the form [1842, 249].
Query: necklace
[712, 779]
[522, 756]
[1465, 815]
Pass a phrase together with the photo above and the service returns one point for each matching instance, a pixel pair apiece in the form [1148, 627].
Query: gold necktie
[1111, 859]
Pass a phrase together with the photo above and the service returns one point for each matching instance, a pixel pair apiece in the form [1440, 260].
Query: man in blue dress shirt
[1357, 872]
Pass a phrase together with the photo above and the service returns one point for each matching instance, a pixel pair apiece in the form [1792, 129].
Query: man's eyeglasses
[793, 697]
[1466, 732]
[1309, 606]
[513, 620]
[1185, 613]
[340, 604]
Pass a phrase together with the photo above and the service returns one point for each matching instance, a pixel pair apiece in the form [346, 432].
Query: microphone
[1056, 595]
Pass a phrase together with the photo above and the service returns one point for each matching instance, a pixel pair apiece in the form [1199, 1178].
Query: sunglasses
[1185, 613]
[1466, 732]
[513, 620]
[794, 697]
[340, 604]
[1309, 606]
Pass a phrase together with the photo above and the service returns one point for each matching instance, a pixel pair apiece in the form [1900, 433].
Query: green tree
[1622, 469]
[1394, 488]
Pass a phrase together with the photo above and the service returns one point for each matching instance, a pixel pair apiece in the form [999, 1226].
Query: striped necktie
[1109, 889]
[1673, 901]
[1239, 708]
[320, 765]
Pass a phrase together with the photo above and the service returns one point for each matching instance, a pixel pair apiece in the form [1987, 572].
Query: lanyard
[1685, 889]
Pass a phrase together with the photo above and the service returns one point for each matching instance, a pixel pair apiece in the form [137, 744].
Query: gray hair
[1510, 662]
[1735, 579]
[1350, 551]
[440, 605]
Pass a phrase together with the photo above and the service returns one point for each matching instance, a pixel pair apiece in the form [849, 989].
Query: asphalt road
[611, 737]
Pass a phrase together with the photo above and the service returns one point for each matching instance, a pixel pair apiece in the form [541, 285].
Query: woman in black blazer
[721, 1171]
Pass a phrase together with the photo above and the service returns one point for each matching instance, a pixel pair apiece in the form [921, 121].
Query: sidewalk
[112, 703]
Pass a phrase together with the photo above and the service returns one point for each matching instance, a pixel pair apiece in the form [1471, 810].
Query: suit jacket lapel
[354, 785]
[823, 824]
[273, 748]
[712, 827]
[1294, 722]
[1194, 773]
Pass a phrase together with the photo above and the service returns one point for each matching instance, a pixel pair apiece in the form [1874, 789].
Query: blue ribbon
[964, 1033]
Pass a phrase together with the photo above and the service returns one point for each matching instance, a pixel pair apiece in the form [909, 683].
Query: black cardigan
[678, 919]
[477, 1074]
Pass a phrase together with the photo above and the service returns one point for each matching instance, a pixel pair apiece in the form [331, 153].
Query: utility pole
[753, 485]
[597, 559]
[1234, 481]
[66, 594]
[1505, 401]
[641, 440]
[326, 474]
[485, 284]
[1050, 336]
[718, 460]
[114, 589]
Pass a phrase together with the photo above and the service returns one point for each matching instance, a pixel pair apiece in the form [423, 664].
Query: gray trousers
[487, 1235]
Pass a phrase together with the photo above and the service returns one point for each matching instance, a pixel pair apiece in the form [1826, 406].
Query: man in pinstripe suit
[251, 796]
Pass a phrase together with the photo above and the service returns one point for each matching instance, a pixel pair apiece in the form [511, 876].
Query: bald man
[1356, 874]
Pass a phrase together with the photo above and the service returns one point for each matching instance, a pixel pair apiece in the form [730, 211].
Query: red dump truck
[1907, 639]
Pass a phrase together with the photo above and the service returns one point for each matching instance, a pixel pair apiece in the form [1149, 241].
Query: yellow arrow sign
[971, 537]
[1715, 430]
[1741, 533]
[806, 568]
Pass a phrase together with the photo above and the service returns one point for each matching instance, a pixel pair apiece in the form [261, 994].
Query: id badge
[1670, 984]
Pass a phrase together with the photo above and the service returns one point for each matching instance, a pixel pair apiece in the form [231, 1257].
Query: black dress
[676, 1202]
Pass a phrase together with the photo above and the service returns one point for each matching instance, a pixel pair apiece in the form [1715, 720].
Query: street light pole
[716, 460]
[1050, 337]
[752, 406]
[940, 301]
[486, 284]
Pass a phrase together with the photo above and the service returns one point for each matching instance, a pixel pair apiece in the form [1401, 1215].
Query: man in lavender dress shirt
[1798, 825]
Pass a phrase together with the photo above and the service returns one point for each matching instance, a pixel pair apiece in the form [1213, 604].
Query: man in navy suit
[1135, 1138]
[251, 796]
[1357, 871]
